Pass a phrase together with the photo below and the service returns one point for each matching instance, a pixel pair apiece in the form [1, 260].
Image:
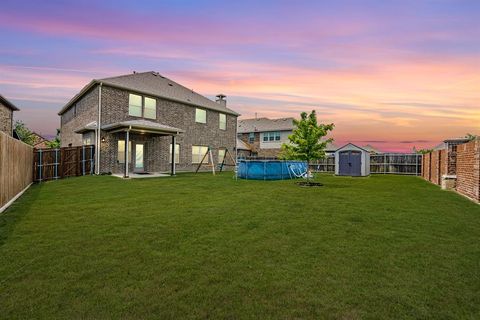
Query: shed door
[356, 163]
[343, 163]
[350, 163]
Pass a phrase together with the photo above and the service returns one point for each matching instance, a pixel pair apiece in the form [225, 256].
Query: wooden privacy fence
[52, 164]
[396, 163]
[387, 163]
[324, 165]
[15, 168]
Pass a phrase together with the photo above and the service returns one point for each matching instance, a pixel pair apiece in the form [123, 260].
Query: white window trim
[205, 111]
[220, 121]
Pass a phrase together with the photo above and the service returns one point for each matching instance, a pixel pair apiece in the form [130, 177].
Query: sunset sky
[395, 74]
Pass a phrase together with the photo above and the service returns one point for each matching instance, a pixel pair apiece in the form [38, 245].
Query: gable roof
[153, 84]
[7, 103]
[264, 124]
[353, 145]
[242, 145]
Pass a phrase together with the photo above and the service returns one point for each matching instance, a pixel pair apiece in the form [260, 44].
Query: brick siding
[468, 169]
[78, 116]
[156, 148]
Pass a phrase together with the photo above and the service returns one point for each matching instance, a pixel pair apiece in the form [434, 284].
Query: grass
[198, 246]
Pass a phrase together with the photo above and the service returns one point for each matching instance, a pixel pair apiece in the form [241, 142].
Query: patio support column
[127, 138]
[172, 170]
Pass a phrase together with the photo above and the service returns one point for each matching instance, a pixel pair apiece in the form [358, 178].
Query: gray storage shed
[351, 160]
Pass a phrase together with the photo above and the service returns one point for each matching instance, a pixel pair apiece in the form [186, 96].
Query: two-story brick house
[150, 118]
[6, 115]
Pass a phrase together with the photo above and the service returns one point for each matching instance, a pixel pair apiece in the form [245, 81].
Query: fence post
[56, 164]
[91, 160]
[83, 160]
[384, 164]
[40, 164]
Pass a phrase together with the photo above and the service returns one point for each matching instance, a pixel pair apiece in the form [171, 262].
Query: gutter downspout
[99, 119]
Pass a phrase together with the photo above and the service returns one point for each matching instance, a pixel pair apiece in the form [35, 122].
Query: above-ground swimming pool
[270, 169]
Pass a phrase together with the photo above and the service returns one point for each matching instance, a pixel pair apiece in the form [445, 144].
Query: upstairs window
[150, 110]
[271, 136]
[222, 119]
[251, 137]
[135, 105]
[200, 115]
[139, 106]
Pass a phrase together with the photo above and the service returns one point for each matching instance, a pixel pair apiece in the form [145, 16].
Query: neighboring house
[143, 115]
[243, 150]
[371, 149]
[447, 144]
[330, 149]
[265, 136]
[39, 141]
[6, 115]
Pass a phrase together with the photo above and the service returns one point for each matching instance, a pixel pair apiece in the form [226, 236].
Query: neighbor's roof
[264, 124]
[7, 103]
[142, 125]
[371, 149]
[331, 147]
[452, 141]
[153, 84]
[242, 145]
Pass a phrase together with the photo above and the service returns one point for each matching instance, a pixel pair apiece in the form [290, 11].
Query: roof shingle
[153, 84]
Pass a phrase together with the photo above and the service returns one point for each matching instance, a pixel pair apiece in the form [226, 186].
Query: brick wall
[462, 161]
[468, 169]
[157, 148]
[434, 166]
[79, 115]
[6, 115]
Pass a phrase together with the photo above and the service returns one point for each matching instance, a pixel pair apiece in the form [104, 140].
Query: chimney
[220, 98]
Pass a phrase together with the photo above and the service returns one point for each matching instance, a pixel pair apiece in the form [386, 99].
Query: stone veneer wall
[6, 119]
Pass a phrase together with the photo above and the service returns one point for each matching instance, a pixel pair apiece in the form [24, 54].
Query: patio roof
[142, 126]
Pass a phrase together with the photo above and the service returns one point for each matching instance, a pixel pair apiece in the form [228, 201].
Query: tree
[55, 143]
[306, 140]
[23, 133]
[424, 151]
[470, 136]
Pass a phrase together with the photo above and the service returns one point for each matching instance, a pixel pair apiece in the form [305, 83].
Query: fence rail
[387, 163]
[53, 164]
[15, 168]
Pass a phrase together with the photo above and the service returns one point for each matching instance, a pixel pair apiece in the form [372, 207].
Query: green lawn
[198, 246]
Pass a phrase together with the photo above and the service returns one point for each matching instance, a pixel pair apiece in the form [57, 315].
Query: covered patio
[142, 127]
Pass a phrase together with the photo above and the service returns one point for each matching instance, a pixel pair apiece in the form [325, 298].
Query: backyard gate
[53, 164]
